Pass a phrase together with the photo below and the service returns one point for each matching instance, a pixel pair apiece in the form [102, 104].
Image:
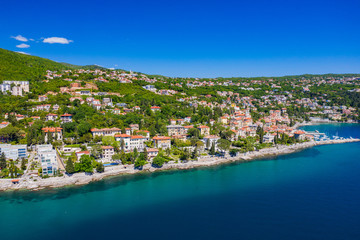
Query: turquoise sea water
[313, 194]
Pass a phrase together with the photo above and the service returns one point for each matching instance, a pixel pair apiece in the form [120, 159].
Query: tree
[194, 154]
[140, 162]
[223, 144]
[194, 132]
[96, 151]
[100, 167]
[207, 144]
[23, 164]
[145, 154]
[85, 164]
[158, 161]
[69, 168]
[212, 149]
[2, 161]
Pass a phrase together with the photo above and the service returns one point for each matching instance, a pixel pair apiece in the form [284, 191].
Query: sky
[190, 38]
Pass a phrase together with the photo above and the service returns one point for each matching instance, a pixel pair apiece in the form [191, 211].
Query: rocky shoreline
[36, 183]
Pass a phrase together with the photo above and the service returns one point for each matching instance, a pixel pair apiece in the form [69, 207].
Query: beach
[37, 183]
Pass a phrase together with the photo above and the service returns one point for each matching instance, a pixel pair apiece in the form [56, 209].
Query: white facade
[13, 151]
[47, 157]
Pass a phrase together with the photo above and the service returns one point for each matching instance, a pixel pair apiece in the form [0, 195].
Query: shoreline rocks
[37, 183]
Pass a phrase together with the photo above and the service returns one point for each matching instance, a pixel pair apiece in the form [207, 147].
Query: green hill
[17, 66]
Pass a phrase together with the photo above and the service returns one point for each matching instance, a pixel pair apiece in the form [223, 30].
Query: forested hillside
[17, 66]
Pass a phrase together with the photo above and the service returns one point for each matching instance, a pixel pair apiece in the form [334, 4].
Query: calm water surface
[313, 194]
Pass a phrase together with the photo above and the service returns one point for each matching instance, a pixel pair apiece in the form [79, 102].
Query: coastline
[319, 122]
[82, 178]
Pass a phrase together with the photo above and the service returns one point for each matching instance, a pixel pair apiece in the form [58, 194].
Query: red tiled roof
[161, 138]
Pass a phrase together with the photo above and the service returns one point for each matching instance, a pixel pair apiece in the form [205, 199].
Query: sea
[311, 194]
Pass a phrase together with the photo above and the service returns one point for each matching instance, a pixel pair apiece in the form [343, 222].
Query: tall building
[47, 157]
[13, 151]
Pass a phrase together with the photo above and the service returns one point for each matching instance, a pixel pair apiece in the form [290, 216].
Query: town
[86, 120]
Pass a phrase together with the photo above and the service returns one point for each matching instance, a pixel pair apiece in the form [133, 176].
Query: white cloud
[23, 45]
[24, 53]
[31, 39]
[57, 40]
[20, 38]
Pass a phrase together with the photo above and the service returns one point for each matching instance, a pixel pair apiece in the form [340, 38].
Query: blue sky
[190, 38]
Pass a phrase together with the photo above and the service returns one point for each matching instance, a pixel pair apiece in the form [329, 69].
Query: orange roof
[203, 126]
[137, 137]
[299, 132]
[122, 135]
[84, 152]
[107, 147]
[152, 150]
[161, 138]
[52, 129]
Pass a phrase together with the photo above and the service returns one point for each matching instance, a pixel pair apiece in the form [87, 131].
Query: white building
[24, 85]
[47, 157]
[13, 151]
[107, 152]
[132, 142]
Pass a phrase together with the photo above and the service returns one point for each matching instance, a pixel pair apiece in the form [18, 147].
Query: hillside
[17, 66]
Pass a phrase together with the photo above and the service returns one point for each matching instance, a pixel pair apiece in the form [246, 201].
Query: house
[299, 135]
[42, 98]
[56, 107]
[134, 127]
[268, 138]
[19, 117]
[210, 140]
[51, 117]
[4, 124]
[204, 130]
[105, 131]
[175, 130]
[79, 154]
[162, 142]
[55, 132]
[107, 152]
[152, 152]
[129, 143]
[155, 108]
[66, 118]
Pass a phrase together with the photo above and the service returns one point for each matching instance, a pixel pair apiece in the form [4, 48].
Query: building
[268, 138]
[204, 130]
[131, 142]
[4, 124]
[155, 108]
[105, 131]
[299, 135]
[66, 118]
[51, 117]
[17, 91]
[56, 133]
[162, 142]
[13, 151]
[42, 98]
[48, 159]
[152, 152]
[79, 154]
[174, 130]
[18, 87]
[107, 152]
[210, 140]
[24, 85]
